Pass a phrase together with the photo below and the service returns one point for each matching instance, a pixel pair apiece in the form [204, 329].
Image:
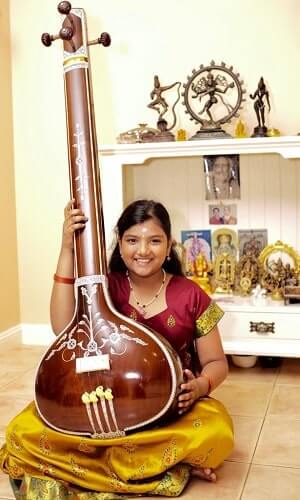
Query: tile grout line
[260, 431]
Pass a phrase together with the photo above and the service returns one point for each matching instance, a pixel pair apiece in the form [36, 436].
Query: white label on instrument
[92, 363]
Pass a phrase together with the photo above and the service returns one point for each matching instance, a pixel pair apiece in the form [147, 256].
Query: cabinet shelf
[286, 146]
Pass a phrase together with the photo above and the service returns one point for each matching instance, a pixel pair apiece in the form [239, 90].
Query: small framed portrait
[195, 242]
[222, 177]
[224, 241]
[252, 241]
[222, 214]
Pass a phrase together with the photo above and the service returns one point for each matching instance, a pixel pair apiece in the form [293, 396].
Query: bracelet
[210, 386]
[61, 279]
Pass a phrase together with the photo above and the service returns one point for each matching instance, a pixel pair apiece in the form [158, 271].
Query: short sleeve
[208, 319]
[206, 313]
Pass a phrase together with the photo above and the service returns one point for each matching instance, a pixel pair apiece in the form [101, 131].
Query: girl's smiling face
[144, 248]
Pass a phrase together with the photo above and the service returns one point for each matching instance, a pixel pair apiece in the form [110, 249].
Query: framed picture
[195, 242]
[222, 214]
[252, 240]
[222, 177]
[224, 241]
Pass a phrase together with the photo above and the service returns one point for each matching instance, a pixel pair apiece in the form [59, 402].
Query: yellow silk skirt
[54, 465]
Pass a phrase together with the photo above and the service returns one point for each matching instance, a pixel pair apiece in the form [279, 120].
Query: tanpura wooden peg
[64, 8]
[104, 40]
[65, 33]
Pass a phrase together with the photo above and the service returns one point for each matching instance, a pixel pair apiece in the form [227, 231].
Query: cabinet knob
[262, 327]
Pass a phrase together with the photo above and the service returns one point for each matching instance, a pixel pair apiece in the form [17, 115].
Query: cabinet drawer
[260, 325]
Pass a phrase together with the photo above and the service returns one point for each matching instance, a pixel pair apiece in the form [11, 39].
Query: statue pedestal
[260, 132]
[210, 133]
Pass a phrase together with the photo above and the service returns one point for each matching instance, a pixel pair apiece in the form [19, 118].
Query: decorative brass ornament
[247, 273]
[224, 91]
[245, 285]
[224, 272]
[142, 133]
[279, 263]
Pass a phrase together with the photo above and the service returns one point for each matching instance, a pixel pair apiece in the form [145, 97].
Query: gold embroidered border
[209, 319]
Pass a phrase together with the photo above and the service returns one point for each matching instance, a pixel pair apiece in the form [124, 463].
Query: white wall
[167, 38]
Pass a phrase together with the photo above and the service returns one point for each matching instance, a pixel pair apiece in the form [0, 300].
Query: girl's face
[144, 248]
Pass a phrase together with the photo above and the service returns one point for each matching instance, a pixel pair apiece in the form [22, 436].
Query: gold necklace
[142, 307]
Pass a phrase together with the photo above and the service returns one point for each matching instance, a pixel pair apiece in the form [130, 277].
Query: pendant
[141, 310]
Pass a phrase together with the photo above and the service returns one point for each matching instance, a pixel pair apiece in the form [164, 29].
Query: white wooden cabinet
[271, 199]
[266, 329]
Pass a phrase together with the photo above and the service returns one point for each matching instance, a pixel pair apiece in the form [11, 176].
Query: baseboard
[10, 331]
[31, 333]
[37, 334]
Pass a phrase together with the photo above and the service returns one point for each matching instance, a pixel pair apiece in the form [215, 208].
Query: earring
[168, 257]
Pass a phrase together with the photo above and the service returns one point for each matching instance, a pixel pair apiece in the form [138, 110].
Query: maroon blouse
[190, 312]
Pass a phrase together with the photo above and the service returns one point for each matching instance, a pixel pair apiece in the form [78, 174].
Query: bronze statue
[206, 102]
[209, 86]
[160, 105]
[260, 96]
[158, 101]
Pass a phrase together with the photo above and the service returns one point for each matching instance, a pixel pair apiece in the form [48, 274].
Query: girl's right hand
[74, 220]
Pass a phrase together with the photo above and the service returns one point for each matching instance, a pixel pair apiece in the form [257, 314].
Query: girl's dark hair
[137, 212]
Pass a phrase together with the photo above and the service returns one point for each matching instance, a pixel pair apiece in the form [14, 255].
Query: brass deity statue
[201, 268]
[224, 272]
[275, 277]
[247, 273]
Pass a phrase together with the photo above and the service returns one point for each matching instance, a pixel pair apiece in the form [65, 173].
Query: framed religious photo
[222, 214]
[252, 241]
[222, 177]
[224, 240]
[195, 242]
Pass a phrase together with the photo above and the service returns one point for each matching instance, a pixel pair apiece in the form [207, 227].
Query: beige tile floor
[264, 405]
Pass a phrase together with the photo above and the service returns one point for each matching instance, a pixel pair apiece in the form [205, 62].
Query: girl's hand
[74, 220]
[193, 389]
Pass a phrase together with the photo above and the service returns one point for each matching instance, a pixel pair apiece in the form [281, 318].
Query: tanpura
[104, 374]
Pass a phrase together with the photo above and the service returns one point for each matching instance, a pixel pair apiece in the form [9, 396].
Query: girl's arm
[214, 370]
[62, 303]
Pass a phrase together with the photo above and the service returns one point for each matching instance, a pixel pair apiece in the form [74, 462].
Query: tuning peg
[47, 39]
[64, 8]
[104, 40]
[65, 33]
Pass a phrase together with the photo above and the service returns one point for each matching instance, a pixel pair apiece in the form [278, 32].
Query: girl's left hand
[192, 389]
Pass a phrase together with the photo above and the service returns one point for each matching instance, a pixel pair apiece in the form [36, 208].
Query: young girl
[146, 284]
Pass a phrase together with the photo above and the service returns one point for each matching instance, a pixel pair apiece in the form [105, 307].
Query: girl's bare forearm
[62, 303]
